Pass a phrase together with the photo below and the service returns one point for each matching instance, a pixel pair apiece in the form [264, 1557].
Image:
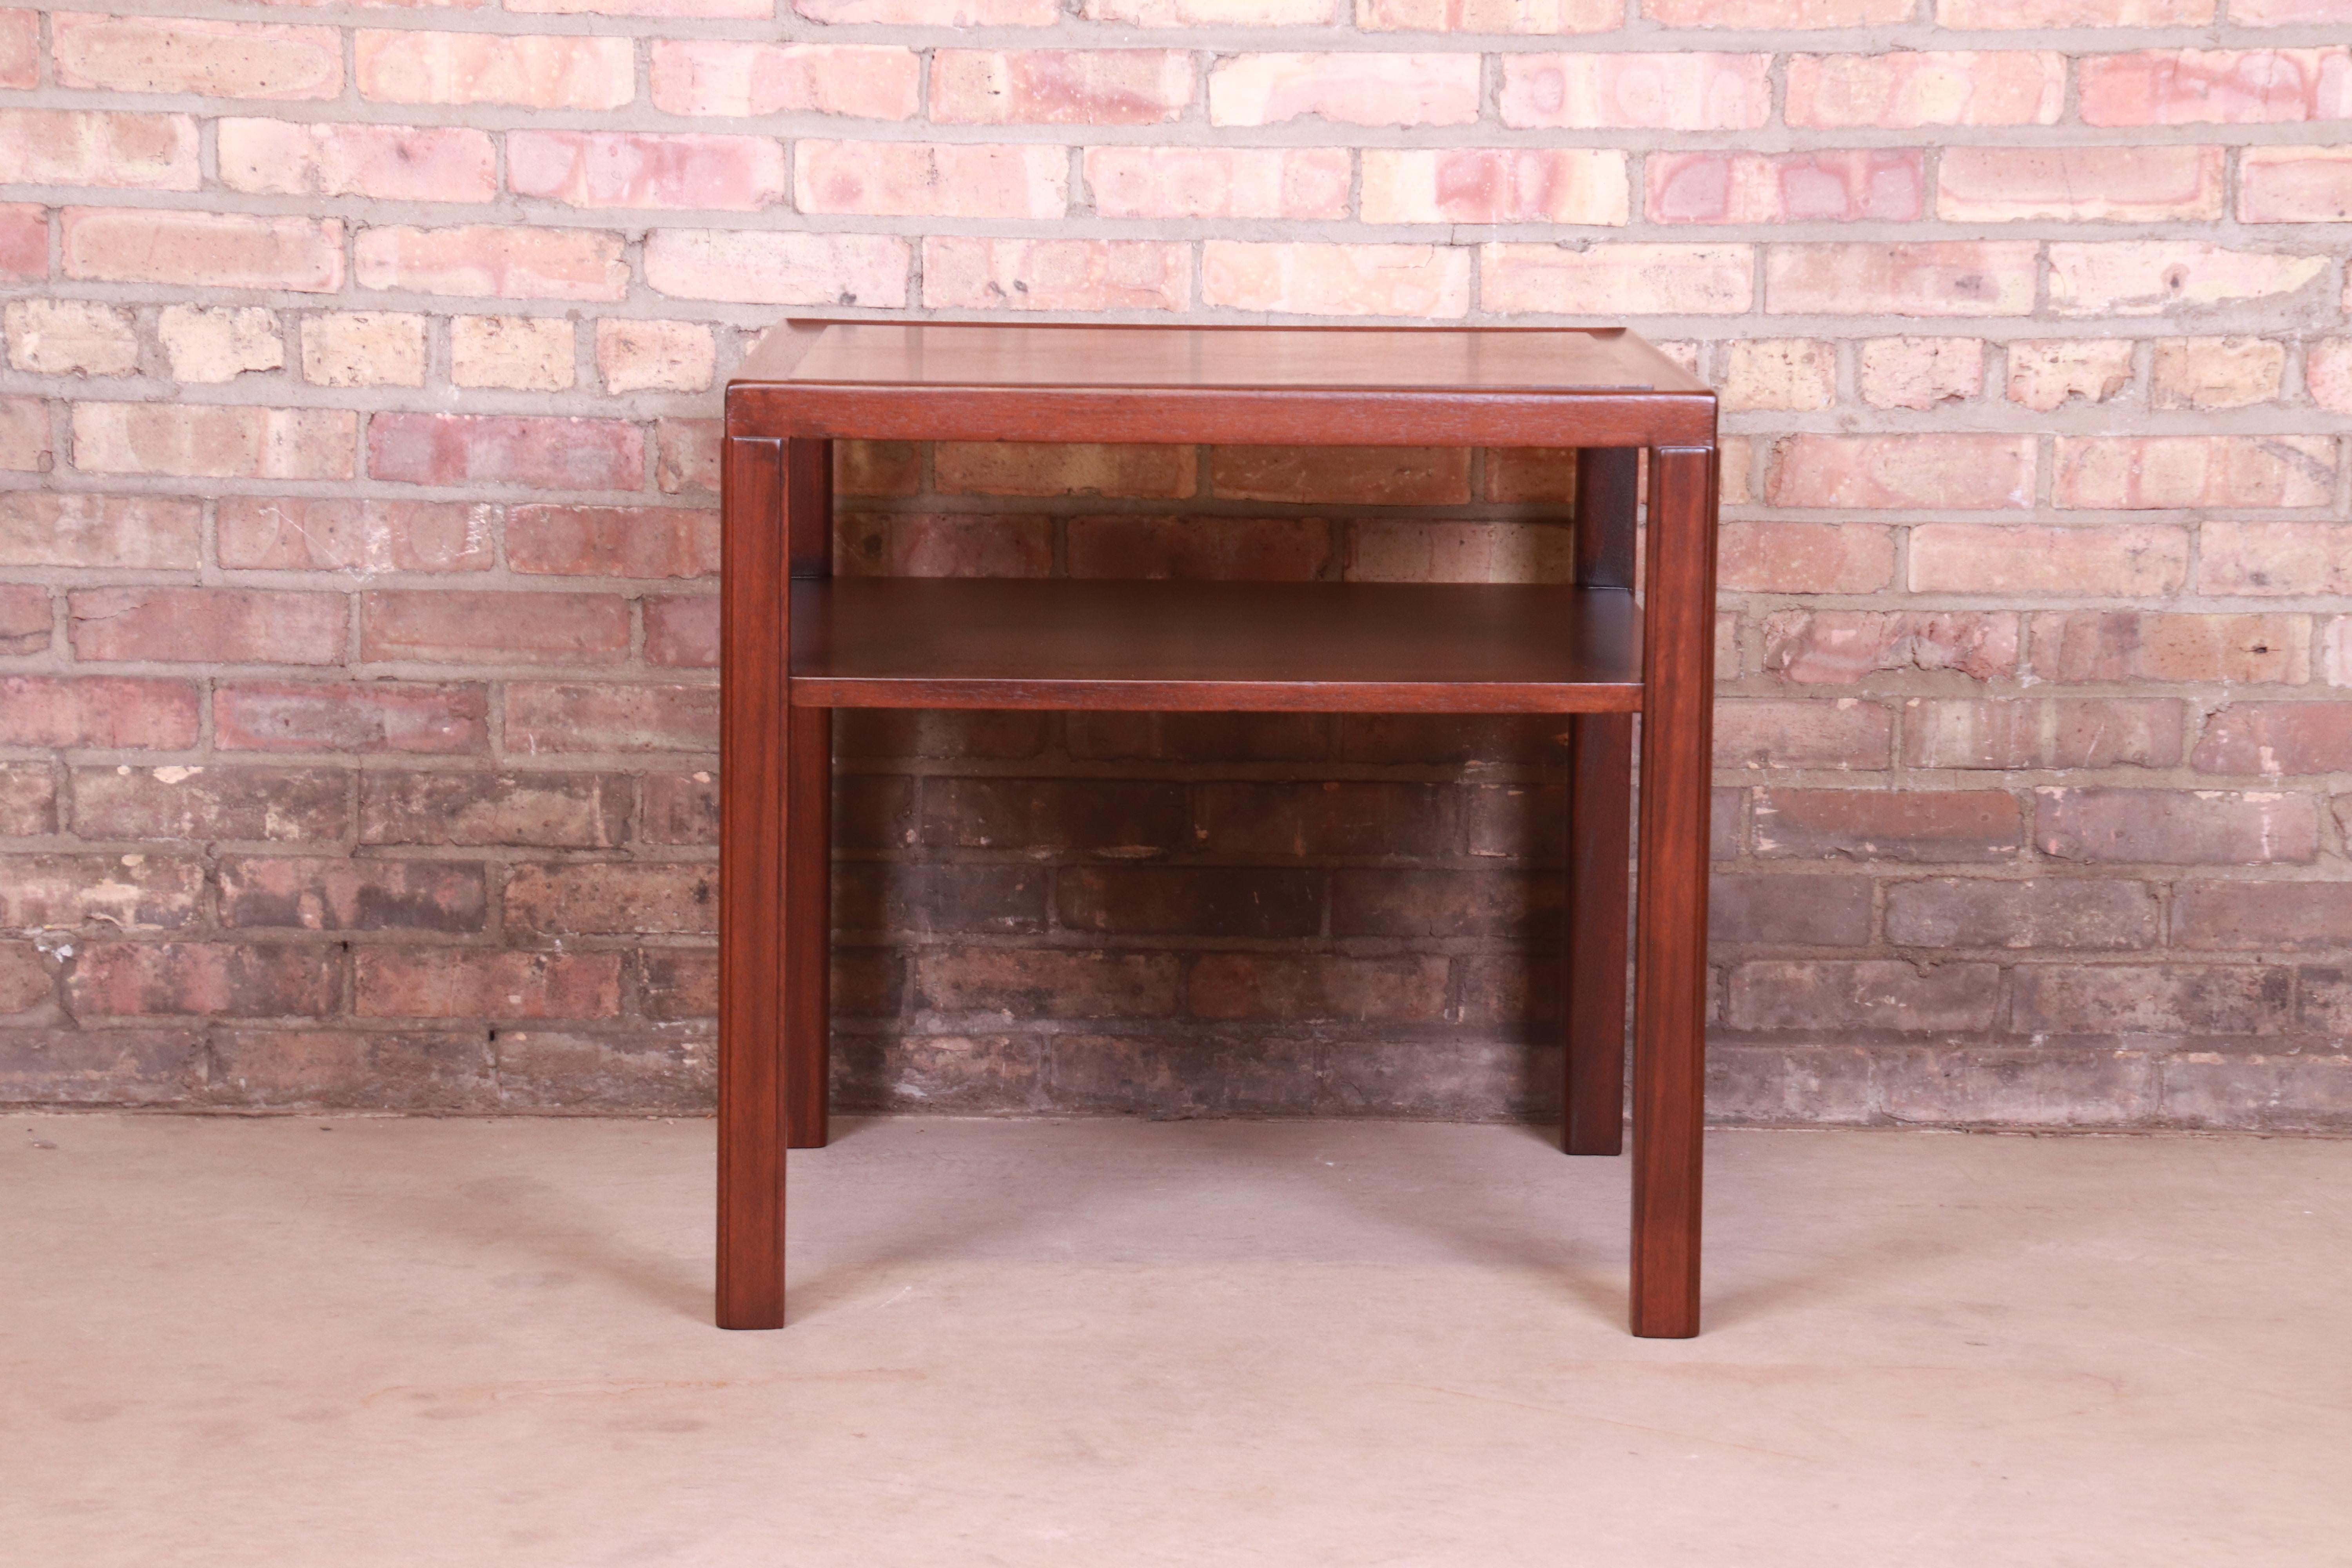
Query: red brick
[206, 979]
[2103, 184]
[26, 618]
[682, 630]
[568, 811]
[931, 179]
[45, 528]
[304, 533]
[23, 241]
[1964, 473]
[1129, 819]
[2286, 1092]
[2041, 732]
[107, 712]
[2170, 999]
[1908, 88]
[683, 808]
[773, 269]
[122, 892]
[27, 980]
[74, 147]
[215, 250]
[392, 163]
[1046, 982]
[1407, 989]
[485, 449]
[625, 900]
[259, 805]
[678, 983]
[976, 274]
[1927, 278]
[1355, 818]
[453, 983]
[1907, 825]
[2281, 917]
[2077, 645]
[565, 72]
[1242, 549]
[447, 626]
[2294, 184]
[2181, 828]
[1218, 182]
[1681, 91]
[1349, 89]
[314, 894]
[2160, 277]
[1423, 903]
[1203, 900]
[508, 262]
[613, 541]
[2118, 560]
[1971, 15]
[1883, 185]
[1877, 994]
[29, 800]
[372, 1070]
[946, 544]
[704, 76]
[180, 54]
[371, 716]
[1060, 87]
[213, 441]
[208, 626]
[2036, 913]
[1026, 469]
[1839, 734]
[575, 1071]
[543, 717]
[2266, 558]
[2276, 738]
[20, 49]
[686, 455]
[1617, 279]
[626, 168]
[2154, 472]
[1811, 911]
[1840, 648]
[1806, 557]
[2225, 87]
[1438, 550]
[1380, 476]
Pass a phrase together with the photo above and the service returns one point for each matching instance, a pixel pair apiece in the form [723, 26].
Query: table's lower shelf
[868, 642]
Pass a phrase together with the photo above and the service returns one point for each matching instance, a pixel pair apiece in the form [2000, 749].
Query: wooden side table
[798, 642]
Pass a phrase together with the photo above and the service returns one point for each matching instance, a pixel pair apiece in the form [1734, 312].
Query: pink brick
[2288, 13]
[687, 455]
[1840, 648]
[1546, 16]
[1920, 373]
[1838, 734]
[2215, 373]
[213, 441]
[2114, 184]
[2117, 561]
[2275, 739]
[1218, 182]
[1495, 184]
[1057, 469]
[504, 261]
[1345, 89]
[2180, 827]
[682, 631]
[563, 72]
[45, 527]
[613, 541]
[1945, 473]
[2209, 87]
[370, 717]
[2158, 277]
[743, 80]
[926, 179]
[25, 436]
[1908, 88]
[215, 250]
[1972, 14]
[1060, 87]
[2074, 646]
[2294, 184]
[1312, 279]
[1887, 184]
[320, 533]
[775, 269]
[2275, 558]
[204, 979]
[1933, 278]
[78, 147]
[2041, 732]
[2048, 373]
[1614, 280]
[746, 10]
[1806, 557]
[933, 13]
[446, 983]
[546, 717]
[948, 544]
[20, 49]
[1445, 551]
[654, 356]
[485, 449]
[2327, 372]
[447, 627]
[392, 163]
[1689, 91]
[23, 241]
[1056, 275]
[1353, 476]
[623, 169]
[1249, 549]
[1773, 15]
[1778, 373]
[112, 712]
[2150, 472]
[208, 626]
[179, 54]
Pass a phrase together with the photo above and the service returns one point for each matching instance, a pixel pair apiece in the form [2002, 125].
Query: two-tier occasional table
[798, 642]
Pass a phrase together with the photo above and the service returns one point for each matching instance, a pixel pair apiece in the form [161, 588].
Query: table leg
[808, 929]
[1600, 833]
[753, 763]
[1670, 935]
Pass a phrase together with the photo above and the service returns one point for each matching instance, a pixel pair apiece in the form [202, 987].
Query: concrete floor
[1111, 1344]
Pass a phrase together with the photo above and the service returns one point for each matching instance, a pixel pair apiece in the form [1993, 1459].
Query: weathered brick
[630, 169]
[567, 811]
[45, 528]
[1333, 818]
[509, 450]
[1617, 279]
[1925, 278]
[317, 893]
[1495, 184]
[373, 1069]
[1883, 185]
[625, 898]
[1425, 903]
[1785, 908]
[1046, 982]
[2036, 913]
[272, 804]
[181, 54]
[2043, 732]
[1778, 373]
[654, 356]
[1102, 816]
[502, 262]
[946, 544]
[27, 978]
[26, 618]
[1839, 734]
[2276, 738]
[1318, 279]
[2047, 374]
[676, 983]
[534, 72]
[372, 716]
[2159, 276]
[2206, 86]
[2154, 472]
[682, 630]
[2294, 184]
[2215, 373]
[88, 147]
[2120, 560]
[1219, 182]
[20, 49]
[208, 626]
[2107, 184]
[2268, 558]
[711, 77]
[450, 626]
[2269, 916]
[2078, 645]
[549, 1069]
[1383, 476]
[218, 343]
[932, 13]
[1029, 469]
[214, 251]
[1681, 91]
[1868, 993]
[25, 444]
[685, 455]
[2327, 372]
[1316, 988]
[1962, 473]
[1349, 89]
[546, 717]
[213, 441]
[1906, 89]
[364, 348]
[1546, 16]
[202, 979]
[1910, 825]
[2287, 1092]
[138, 891]
[2030, 1086]
[2168, 999]
[23, 241]
[1994, 14]
[1806, 557]
[613, 542]
[931, 179]
[457, 982]
[1841, 646]
[975, 274]
[1203, 900]
[391, 163]
[1282, 549]
[2181, 828]
[1060, 87]
[29, 800]
[1920, 373]
[109, 712]
[526, 354]
[304, 533]
[773, 269]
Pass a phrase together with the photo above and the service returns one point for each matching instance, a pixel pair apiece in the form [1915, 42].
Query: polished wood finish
[798, 642]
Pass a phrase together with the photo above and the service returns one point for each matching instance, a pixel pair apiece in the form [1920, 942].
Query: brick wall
[358, 533]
